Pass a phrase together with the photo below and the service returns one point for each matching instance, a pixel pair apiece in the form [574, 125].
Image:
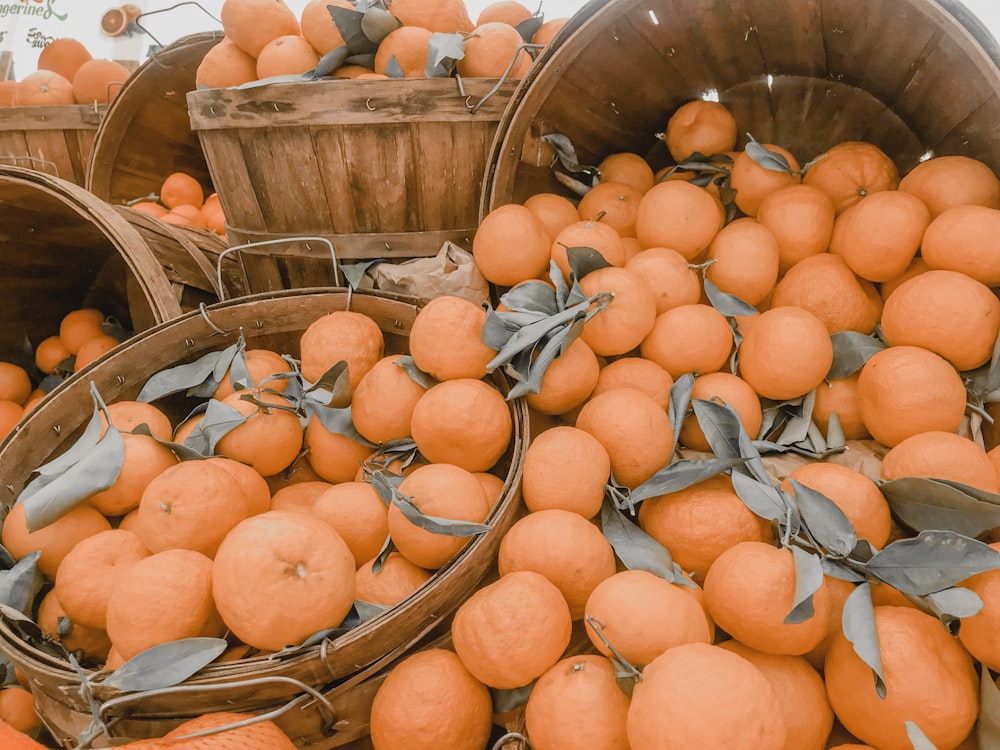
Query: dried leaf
[763, 499]
[393, 69]
[20, 584]
[443, 50]
[721, 425]
[583, 260]
[434, 524]
[634, 547]
[931, 561]
[566, 153]
[767, 158]
[355, 272]
[681, 474]
[205, 372]
[350, 25]
[532, 296]
[728, 304]
[824, 519]
[328, 63]
[529, 26]
[336, 382]
[923, 504]
[680, 400]
[336, 420]
[858, 621]
[808, 579]
[417, 375]
[850, 351]
[377, 23]
[219, 420]
[368, 610]
[166, 664]
[955, 603]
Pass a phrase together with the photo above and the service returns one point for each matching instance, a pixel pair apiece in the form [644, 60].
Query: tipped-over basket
[263, 682]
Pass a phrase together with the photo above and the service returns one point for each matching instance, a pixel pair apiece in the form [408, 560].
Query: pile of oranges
[182, 201]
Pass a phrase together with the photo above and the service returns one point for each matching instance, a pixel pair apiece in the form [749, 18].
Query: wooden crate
[56, 140]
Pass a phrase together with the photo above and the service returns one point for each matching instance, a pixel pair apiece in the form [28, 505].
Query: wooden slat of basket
[56, 139]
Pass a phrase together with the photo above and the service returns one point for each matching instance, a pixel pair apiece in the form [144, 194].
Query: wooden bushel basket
[339, 668]
[57, 140]
[382, 168]
[915, 77]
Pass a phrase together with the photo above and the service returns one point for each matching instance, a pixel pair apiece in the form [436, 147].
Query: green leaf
[988, 722]
[767, 158]
[825, 520]
[337, 421]
[763, 499]
[634, 547]
[680, 400]
[583, 260]
[417, 375]
[566, 153]
[923, 504]
[850, 351]
[166, 664]
[435, 524]
[537, 362]
[337, 382]
[836, 569]
[443, 50]
[858, 621]
[531, 296]
[204, 373]
[728, 304]
[328, 63]
[377, 23]
[219, 420]
[393, 69]
[368, 610]
[808, 579]
[508, 700]
[955, 603]
[932, 561]
[350, 25]
[721, 425]
[529, 26]
[681, 474]
[20, 584]
[916, 736]
[182, 451]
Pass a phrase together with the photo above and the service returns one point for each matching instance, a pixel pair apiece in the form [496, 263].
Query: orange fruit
[942, 455]
[628, 318]
[318, 26]
[446, 339]
[700, 126]
[613, 203]
[53, 541]
[638, 373]
[10, 414]
[356, 512]
[626, 167]
[508, 11]
[839, 590]
[446, 16]
[93, 349]
[77, 326]
[555, 211]
[15, 383]
[261, 735]
[184, 216]
[99, 81]
[465, 422]
[226, 65]
[341, 335]
[191, 505]
[564, 547]
[50, 353]
[298, 496]
[261, 367]
[91, 570]
[254, 487]
[19, 711]
[568, 380]
[511, 631]
[693, 338]
[851, 170]
[548, 30]
[932, 310]
[746, 257]
[63, 56]
[127, 415]
[945, 181]
[634, 430]
[879, 238]
[251, 24]
[512, 244]
[405, 50]
[291, 54]
[801, 218]
[430, 701]
[269, 439]
[89, 644]
[826, 286]
[668, 275]
[978, 633]
[394, 581]
[697, 695]
[331, 456]
[699, 523]
[753, 181]
[903, 390]
[801, 692]
[442, 491]
[383, 402]
[729, 390]
[750, 589]
[924, 668]
[490, 50]
[642, 615]
[181, 189]
[7, 90]
[213, 214]
[492, 485]
[152, 208]
[678, 215]
[297, 564]
[145, 459]
[567, 468]
[964, 238]
[593, 234]
[785, 353]
[43, 88]
[854, 493]
[839, 396]
[164, 597]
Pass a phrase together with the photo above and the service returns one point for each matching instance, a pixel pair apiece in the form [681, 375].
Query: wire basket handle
[146, 31]
[35, 162]
[473, 107]
[278, 241]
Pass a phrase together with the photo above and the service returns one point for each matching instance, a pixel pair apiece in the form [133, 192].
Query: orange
[431, 701]
[127, 415]
[152, 208]
[554, 211]
[626, 167]
[978, 633]
[753, 181]
[43, 88]
[99, 81]
[729, 390]
[331, 456]
[511, 631]
[7, 90]
[916, 267]
[297, 563]
[15, 383]
[746, 257]
[446, 339]
[878, 238]
[692, 338]
[404, 50]
[213, 214]
[933, 310]
[181, 189]
[750, 589]
[318, 26]
[903, 390]
[50, 353]
[394, 581]
[854, 493]
[442, 491]
[184, 216]
[491, 49]
[826, 286]
[801, 692]
[568, 381]
[700, 126]
[785, 353]
[964, 238]
[299, 471]
[492, 485]
[634, 430]
[850, 171]
[567, 468]
[226, 65]
[642, 615]
[34, 398]
[90, 571]
[260, 735]
[941, 455]
[564, 547]
[251, 24]
[678, 215]
[839, 590]
[945, 181]
[512, 244]
[593, 234]
[356, 512]
[291, 54]
[298, 496]
[145, 459]
[703, 696]
[63, 56]
[77, 326]
[191, 505]
[668, 275]
[164, 597]
[269, 439]
[801, 218]
[341, 335]
[446, 16]
[548, 30]
[699, 523]
[638, 373]
[261, 367]
[628, 318]
[465, 422]
[10, 414]
[577, 705]
[53, 541]
[613, 203]
[839, 396]
[929, 679]
[18, 709]
[90, 645]
[383, 402]
[509, 11]
[254, 487]
[93, 349]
